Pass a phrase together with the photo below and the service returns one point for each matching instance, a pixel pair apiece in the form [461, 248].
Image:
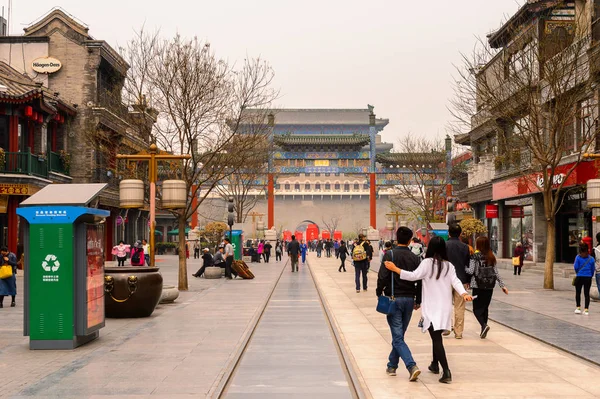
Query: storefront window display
[521, 229]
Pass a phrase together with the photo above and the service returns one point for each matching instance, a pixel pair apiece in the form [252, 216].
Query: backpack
[485, 278]
[135, 258]
[359, 253]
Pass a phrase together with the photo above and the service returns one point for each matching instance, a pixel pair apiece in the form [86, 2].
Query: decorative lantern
[131, 193]
[34, 115]
[40, 118]
[174, 194]
[593, 193]
[28, 111]
[389, 224]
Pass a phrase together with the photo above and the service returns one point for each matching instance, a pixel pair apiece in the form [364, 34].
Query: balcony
[34, 165]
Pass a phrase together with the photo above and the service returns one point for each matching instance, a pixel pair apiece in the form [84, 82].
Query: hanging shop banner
[517, 212]
[14, 189]
[491, 211]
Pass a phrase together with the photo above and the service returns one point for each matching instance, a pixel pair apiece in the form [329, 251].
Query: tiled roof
[322, 139]
[316, 116]
[397, 158]
[19, 88]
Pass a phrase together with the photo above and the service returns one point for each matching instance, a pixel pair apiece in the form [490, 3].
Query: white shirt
[436, 305]
[228, 250]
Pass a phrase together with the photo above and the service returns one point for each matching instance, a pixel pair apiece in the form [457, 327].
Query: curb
[358, 383]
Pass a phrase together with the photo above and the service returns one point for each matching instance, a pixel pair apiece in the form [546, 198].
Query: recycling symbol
[51, 263]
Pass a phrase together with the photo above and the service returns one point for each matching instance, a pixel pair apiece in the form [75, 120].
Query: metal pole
[153, 176]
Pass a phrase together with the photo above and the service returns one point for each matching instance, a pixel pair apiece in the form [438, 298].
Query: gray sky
[394, 54]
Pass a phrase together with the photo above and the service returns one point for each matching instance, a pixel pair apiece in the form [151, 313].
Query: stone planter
[169, 294]
[131, 291]
[212, 272]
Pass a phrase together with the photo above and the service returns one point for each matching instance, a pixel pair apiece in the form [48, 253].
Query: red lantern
[28, 111]
[40, 118]
[62, 119]
[34, 115]
[56, 117]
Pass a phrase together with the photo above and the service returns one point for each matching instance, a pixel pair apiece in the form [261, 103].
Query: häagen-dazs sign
[46, 65]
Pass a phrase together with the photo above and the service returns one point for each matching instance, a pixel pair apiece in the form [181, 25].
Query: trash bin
[236, 242]
[64, 266]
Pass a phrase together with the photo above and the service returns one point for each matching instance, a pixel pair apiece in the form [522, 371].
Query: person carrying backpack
[482, 267]
[360, 256]
[137, 254]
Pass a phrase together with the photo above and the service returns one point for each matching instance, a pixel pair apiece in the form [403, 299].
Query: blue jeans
[598, 281]
[147, 259]
[361, 267]
[399, 321]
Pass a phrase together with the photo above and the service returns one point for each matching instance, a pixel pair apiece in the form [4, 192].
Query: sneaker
[458, 336]
[12, 305]
[358, 291]
[585, 312]
[446, 333]
[391, 371]
[434, 368]
[484, 332]
[414, 373]
[578, 311]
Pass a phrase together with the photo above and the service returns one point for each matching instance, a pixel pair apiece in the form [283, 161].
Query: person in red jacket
[520, 252]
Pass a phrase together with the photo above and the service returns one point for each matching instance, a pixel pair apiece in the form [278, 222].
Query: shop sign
[14, 189]
[593, 218]
[491, 211]
[533, 184]
[3, 203]
[46, 65]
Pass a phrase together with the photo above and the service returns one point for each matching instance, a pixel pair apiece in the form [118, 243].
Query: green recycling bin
[236, 242]
[64, 266]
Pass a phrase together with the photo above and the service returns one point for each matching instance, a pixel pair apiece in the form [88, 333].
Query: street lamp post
[152, 157]
[254, 215]
[396, 215]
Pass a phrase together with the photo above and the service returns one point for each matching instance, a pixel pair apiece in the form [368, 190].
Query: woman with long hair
[439, 278]
[482, 267]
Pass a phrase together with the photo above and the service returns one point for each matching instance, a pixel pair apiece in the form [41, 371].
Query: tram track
[345, 361]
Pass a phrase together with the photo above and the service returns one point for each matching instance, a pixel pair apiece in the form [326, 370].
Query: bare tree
[422, 184]
[201, 101]
[528, 98]
[331, 223]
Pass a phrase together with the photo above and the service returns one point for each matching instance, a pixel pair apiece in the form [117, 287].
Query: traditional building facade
[330, 167]
[58, 54]
[500, 193]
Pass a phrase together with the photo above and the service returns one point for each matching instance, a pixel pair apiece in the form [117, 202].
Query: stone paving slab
[183, 349]
[292, 352]
[506, 364]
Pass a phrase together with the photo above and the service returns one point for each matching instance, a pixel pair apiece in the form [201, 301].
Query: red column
[108, 236]
[372, 200]
[194, 222]
[271, 202]
[13, 140]
[11, 213]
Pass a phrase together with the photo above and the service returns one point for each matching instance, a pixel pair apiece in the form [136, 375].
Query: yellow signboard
[14, 189]
[322, 162]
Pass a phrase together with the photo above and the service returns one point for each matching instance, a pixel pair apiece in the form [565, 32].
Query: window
[287, 186]
[278, 186]
[318, 186]
[327, 186]
[347, 187]
[337, 174]
[337, 187]
[585, 123]
[297, 186]
[317, 174]
[327, 174]
[307, 186]
[366, 186]
[356, 186]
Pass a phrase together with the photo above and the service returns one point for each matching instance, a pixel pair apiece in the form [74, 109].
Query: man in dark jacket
[407, 296]
[459, 256]
[293, 250]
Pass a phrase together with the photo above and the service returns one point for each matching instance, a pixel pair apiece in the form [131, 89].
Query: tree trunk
[183, 279]
[550, 242]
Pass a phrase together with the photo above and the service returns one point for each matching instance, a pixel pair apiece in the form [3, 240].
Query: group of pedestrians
[223, 257]
[438, 285]
[139, 253]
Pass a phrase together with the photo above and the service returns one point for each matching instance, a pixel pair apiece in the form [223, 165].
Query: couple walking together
[429, 285]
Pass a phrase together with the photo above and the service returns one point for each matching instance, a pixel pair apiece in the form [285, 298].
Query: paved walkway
[183, 350]
[506, 364]
[292, 352]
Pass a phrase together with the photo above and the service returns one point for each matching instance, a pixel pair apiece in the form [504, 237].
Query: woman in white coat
[439, 278]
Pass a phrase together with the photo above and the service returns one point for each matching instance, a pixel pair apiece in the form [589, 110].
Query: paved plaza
[206, 344]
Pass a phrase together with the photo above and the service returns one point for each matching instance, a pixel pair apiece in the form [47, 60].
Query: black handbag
[385, 304]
